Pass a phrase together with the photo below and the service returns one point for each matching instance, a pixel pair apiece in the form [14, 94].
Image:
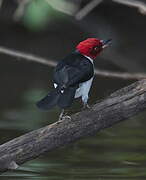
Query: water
[114, 153]
[118, 152]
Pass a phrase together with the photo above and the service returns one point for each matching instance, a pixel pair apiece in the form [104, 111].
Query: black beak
[106, 43]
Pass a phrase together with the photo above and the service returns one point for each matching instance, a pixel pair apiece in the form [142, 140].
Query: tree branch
[119, 106]
[49, 62]
[87, 9]
[26, 56]
[141, 6]
[20, 9]
[1, 3]
[134, 3]
[120, 75]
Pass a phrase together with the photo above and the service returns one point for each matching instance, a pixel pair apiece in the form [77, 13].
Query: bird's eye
[95, 48]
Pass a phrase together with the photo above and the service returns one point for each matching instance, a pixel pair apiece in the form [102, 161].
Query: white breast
[83, 90]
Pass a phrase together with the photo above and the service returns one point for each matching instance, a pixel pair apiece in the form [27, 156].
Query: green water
[115, 153]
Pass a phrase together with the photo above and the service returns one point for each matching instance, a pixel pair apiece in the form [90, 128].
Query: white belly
[83, 90]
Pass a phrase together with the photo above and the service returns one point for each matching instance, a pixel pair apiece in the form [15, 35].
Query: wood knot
[141, 86]
[13, 165]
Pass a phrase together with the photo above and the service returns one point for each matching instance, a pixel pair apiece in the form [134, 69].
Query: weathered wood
[119, 106]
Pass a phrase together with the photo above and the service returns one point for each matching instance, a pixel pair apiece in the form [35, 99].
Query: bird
[73, 76]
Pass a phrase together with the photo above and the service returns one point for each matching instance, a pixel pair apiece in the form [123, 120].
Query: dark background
[118, 152]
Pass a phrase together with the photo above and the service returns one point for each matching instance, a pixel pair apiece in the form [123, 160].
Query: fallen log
[119, 106]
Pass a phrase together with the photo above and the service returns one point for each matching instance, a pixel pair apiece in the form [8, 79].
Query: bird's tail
[63, 99]
[50, 100]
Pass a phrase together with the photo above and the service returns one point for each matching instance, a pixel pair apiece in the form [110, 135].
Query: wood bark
[119, 106]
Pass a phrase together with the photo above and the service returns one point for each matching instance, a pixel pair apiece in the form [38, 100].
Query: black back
[73, 69]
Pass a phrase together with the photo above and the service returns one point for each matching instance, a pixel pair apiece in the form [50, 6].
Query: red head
[90, 47]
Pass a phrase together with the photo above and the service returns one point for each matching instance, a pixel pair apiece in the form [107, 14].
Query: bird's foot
[66, 117]
[86, 106]
[63, 118]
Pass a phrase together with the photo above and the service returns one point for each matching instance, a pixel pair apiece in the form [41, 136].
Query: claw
[66, 117]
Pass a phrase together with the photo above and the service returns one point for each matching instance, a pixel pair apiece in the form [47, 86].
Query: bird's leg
[85, 102]
[63, 115]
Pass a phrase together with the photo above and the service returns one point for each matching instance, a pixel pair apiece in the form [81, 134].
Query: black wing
[73, 70]
[69, 72]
